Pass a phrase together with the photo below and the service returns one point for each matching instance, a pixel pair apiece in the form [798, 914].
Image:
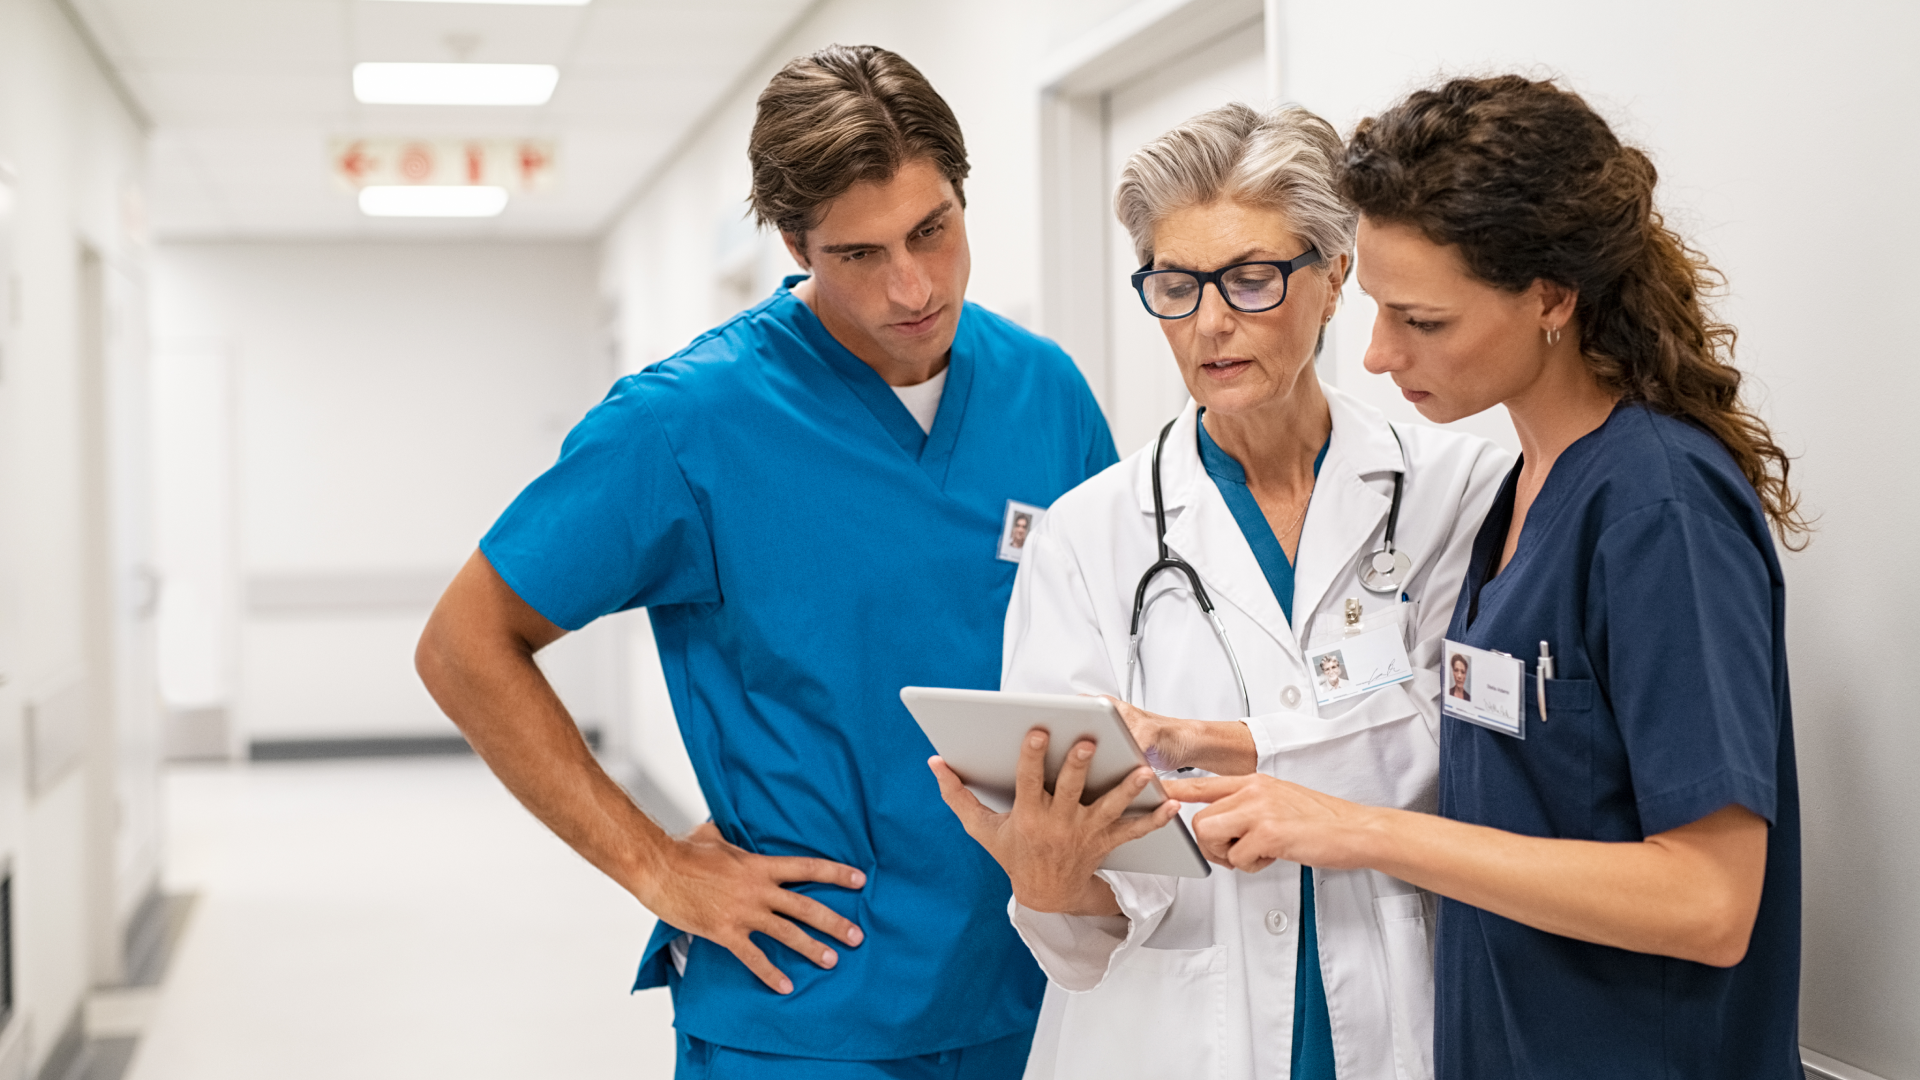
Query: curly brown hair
[1530, 184]
[841, 116]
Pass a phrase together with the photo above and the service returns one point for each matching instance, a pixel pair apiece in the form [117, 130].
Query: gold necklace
[1300, 517]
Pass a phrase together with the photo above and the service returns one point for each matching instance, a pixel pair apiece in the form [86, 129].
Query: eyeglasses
[1251, 287]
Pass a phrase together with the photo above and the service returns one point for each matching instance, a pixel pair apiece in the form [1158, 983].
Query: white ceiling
[245, 95]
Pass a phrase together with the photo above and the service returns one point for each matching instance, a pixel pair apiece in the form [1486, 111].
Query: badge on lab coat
[1484, 688]
[1358, 664]
[1020, 521]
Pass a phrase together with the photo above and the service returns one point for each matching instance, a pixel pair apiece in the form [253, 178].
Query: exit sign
[514, 164]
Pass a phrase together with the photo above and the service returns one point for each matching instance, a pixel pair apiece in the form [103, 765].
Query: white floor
[400, 919]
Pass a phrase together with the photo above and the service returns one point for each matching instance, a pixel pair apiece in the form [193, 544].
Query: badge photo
[1018, 524]
[1484, 687]
[1359, 664]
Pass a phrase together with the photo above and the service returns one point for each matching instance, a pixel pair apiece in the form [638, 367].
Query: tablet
[979, 734]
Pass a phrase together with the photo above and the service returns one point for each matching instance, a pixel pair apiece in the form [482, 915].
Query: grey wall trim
[91, 42]
[320, 595]
[1821, 1067]
[13, 1049]
[760, 67]
[65, 1058]
[1141, 37]
[199, 734]
[56, 734]
[373, 746]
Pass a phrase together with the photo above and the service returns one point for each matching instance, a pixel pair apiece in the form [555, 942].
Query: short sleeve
[1683, 605]
[612, 525]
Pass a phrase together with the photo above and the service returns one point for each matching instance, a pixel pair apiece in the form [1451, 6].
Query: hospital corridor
[481, 482]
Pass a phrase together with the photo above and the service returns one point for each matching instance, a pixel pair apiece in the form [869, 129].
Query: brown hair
[1530, 184]
[845, 115]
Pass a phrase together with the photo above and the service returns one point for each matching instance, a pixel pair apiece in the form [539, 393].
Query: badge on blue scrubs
[1485, 688]
[1019, 524]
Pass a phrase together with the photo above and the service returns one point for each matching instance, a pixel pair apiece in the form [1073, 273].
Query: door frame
[1075, 88]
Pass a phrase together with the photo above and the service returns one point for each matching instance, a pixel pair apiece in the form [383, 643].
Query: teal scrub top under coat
[804, 550]
[1312, 1021]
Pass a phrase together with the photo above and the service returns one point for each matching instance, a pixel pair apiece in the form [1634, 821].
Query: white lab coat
[1196, 979]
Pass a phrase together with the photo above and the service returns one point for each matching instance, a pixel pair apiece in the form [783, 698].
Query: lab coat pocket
[1406, 932]
[1159, 1013]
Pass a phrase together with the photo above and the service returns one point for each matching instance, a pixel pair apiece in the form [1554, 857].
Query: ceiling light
[432, 201]
[531, 3]
[454, 84]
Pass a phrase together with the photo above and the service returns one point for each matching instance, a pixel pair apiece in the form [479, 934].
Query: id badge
[1016, 525]
[1360, 662]
[1484, 687]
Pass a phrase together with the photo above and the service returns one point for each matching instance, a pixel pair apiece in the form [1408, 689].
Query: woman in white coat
[1277, 490]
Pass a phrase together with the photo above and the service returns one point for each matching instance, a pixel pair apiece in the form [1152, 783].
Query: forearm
[1222, 747]
[1654, 896]
[494, 692]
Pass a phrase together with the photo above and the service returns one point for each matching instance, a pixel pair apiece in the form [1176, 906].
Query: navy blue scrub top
[1312, 1021]
[804, 550]
[1647, 566]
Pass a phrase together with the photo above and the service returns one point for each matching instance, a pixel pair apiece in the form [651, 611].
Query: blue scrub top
[804, 550]
[1312, 1021]
[1647, 565]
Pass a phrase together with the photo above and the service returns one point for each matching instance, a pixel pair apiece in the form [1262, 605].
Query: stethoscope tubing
[1169, 561]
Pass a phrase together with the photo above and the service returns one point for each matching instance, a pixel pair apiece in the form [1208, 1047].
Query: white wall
[1783, 139]
[389, 401]
[82, 841]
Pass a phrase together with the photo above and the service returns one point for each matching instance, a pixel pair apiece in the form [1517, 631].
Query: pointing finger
[1206, 789]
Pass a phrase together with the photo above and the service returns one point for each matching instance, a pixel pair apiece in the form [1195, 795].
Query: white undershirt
[923, 400]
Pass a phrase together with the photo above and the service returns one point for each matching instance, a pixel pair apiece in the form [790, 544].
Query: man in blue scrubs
[810, 502]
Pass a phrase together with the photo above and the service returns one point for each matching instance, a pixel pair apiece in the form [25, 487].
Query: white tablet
[979, 734]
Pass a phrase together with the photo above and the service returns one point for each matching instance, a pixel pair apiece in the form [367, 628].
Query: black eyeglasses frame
[1300, 262]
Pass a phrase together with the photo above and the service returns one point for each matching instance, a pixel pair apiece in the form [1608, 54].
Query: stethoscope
[1385, 570]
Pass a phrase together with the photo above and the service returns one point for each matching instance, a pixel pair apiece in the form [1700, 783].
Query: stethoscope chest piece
[1386, 571]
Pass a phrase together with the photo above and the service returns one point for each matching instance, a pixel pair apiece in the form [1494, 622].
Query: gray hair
[1284, 159]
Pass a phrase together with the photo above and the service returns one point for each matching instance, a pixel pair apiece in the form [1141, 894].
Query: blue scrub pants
[1002, 1059]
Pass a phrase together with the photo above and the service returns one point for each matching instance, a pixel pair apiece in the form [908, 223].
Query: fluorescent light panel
[454, 84]
[432, 201]
[525, 3]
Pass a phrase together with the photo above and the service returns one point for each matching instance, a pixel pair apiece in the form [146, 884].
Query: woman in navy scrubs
[1620, 876]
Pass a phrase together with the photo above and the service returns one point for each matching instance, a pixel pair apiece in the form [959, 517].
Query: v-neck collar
[1483, 569]
[932, 450]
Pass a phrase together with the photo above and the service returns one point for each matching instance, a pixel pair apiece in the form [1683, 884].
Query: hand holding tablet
[1054, 788]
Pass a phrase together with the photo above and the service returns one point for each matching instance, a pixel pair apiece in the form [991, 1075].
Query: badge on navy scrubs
[1019, 524]
[1484, 688]
[1365, 659]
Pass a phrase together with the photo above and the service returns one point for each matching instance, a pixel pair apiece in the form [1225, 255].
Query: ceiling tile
[245, 95]
[484, 33]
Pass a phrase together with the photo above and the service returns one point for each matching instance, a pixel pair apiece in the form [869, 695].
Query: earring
[1553, 337]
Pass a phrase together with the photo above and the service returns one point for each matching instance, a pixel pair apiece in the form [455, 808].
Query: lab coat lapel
[1346, 509]
[1204, 533]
